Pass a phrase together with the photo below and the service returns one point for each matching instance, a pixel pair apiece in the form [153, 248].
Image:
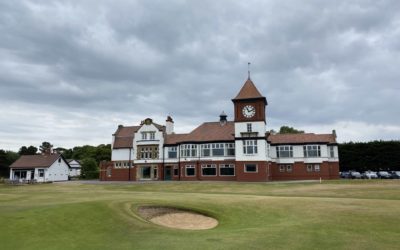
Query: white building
[75, 168]
[41, 168]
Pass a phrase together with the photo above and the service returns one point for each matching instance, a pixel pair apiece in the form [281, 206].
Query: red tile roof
[35, 161]
[301, 138]
[248, 91]
[174, 138]
[206, 132]
[124, 136]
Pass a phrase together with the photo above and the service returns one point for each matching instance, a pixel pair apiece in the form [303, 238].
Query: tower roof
[248, 91]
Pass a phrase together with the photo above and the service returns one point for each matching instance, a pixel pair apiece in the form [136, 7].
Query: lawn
[332, 215]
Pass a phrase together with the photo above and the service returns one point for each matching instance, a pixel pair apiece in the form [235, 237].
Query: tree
[45, 147]
[289, 130]
[31, 150]
[6, 159]
[90, 169]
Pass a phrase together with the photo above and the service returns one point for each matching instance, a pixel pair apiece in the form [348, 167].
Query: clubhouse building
[238, 150]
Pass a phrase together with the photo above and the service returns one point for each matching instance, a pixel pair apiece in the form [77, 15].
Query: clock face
[248, 111]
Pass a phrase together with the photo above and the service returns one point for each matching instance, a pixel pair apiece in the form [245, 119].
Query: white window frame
[205, 166]
[332, 151]
[282, 168]
[222, 166]
[189, 148]
[191, 167]
[310, 167]
[218, 146]
[317, 168]
[289, 168]
[312, 148]
[250, 144]
[172, 149]
[229, 146]
[252, 172]
[205, 147]
[152, 135]
[284, 148]
[249, 127]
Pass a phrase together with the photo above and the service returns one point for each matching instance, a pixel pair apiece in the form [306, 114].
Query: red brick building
[238, 150]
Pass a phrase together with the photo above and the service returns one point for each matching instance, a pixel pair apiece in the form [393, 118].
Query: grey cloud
[320, 64]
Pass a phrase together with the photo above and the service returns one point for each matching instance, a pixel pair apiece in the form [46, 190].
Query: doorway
[168, 173]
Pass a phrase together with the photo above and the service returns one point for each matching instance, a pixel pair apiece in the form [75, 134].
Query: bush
[90, 169]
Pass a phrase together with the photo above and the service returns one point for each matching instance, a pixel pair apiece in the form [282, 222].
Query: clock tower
[249, 104]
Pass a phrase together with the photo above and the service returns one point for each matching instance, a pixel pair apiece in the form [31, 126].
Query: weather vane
[248, 69]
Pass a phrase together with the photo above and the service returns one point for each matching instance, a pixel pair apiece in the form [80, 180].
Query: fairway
[74, 215]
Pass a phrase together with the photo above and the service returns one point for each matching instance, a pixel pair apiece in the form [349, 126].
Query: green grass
[331, 215]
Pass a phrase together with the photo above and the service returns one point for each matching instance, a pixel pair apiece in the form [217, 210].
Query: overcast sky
[71, 71]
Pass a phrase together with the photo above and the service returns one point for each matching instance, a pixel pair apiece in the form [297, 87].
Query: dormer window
[152, 135]
[144, 136]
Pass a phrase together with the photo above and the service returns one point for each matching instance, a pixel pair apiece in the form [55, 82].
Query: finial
[248, 70]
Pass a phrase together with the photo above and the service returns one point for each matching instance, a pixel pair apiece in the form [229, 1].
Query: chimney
[222, 118]
[334, 133]
[169, 125]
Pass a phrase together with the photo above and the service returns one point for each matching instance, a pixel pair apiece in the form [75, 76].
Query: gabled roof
[35, 161]
[248, 91]
[301, 138]
[124, 136]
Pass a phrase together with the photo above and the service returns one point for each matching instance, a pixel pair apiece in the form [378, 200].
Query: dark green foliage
[90, 169]
[289, 130]
[100, 153]
[6, 159]
[31, 150]
[375, 155]
[46, 146]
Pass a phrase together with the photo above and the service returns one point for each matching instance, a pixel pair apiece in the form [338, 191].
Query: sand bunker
[176, 218]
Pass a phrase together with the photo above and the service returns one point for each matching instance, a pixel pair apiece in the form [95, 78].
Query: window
[284, 151]
[250, 168]
[249, 128]
[59, 160]
[309, 167]
[172, 152]
[230, 149]
[205, 150]
[190, 170]
[281, 168]
[209, 170]
[126, 164]
[312, 151]
[149, 135]
[41, 172]
[227, 170]
[117, 164]
[332, 151]
[250, 147]
[289, 168]
[217, 149]
[189, 150]
[176, 171]
[316, 168]
[147, 152]
[109, 169]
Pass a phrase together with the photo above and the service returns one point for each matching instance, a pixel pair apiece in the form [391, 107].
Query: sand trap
[175, 218]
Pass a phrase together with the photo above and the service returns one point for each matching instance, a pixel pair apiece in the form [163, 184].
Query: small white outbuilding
[40, 168]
